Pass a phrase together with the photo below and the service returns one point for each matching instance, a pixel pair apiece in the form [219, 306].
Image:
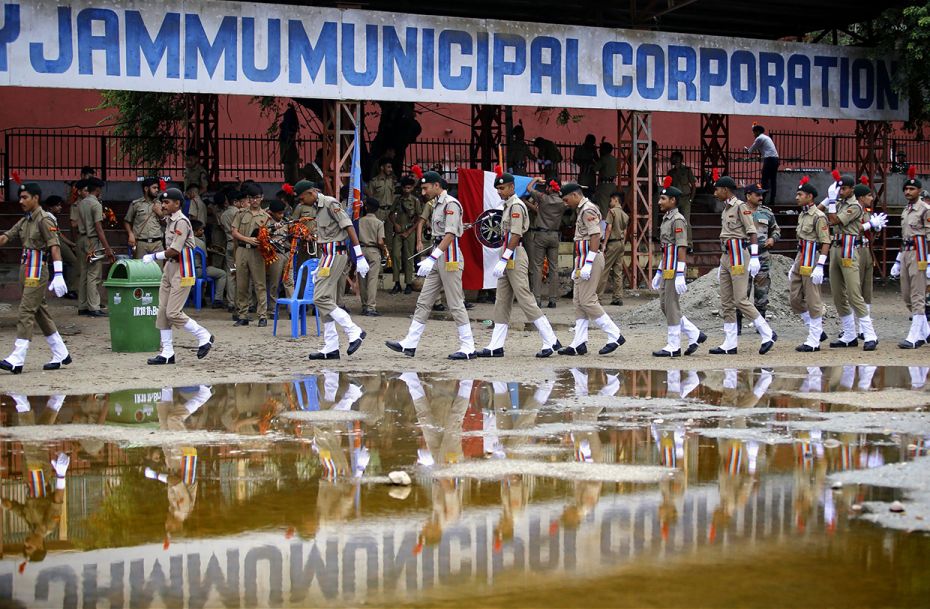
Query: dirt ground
[250, 353]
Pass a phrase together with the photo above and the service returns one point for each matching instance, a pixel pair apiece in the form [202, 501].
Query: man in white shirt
[764, 145]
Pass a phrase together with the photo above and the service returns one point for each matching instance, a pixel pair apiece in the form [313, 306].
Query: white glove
[426, 265]
[817, 275]
[878, 221]
[718, 274]
[362, 457]
[790, 273]
[831, 206]
[360, 263]
[499, 268]
[588, 266]
[657, 281]
[833, 192]
[425, 457]
[896, 268]
[60, 465]
[754, 266]
[57, 284]
[680, 285]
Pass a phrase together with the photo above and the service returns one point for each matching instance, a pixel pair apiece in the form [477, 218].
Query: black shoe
[439, 307]
[581, 349]
[722, 351]
[203, 349]
[460, 355]
[617, 302]
[70, 295]
[393, 345]
[551, 304]
[262, 323]
[57, 365]
[823, 336]
[904, 344]
[664, 353]
[611, 347]
[235, 317]
[469, 306]
[83, 311]
[839, 344]
[321, 355]
[231, 309]
[355, 344]
[98, 313]
[241, 322]
[219, 304]
[701, 339]
[767, 346]
[158, 360]
[861, 336]
[803, 348]
[396, 288]
[5, 365]
[499, 352]
[569, 294]
[870, 345]
[548, 352]
[408, 289]
[371, 313]
[252, 309]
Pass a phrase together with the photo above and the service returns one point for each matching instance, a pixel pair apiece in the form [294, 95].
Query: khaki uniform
[915, 225]
[515, 283]
[845, 278]
[446, 275]
[546, 244]
[866, 261]
[274, 273]
[80, 245]
[226, 223]
[735, 223]
[198, 210]
[171, 294]
[250, 266]
[146, 226]
[802, 293]
[587, 224]
[673, 233]
[90, 211]
[383, 188]
[370, 236]
[37, 233]
[302, 212]
[682, 179]
[406, 211]
[617, 220]
[332, 222]
[196, 175]
[606, 168]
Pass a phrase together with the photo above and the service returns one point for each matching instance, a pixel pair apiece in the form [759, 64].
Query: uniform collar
[670, 213]
[35, 214]
[732, 201]
[176, 215]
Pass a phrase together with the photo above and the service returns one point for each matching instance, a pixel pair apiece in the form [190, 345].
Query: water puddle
[626, 487]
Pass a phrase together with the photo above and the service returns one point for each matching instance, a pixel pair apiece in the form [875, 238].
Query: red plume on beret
[16, 178]
[287, 188]
[554, 185]
[836, 175]
[912, 172]
[804, 180]
[498, 170]
[162, 185]
[417, 171]
[667, 181]
[715, 174]
[864, 180]
[22, 567]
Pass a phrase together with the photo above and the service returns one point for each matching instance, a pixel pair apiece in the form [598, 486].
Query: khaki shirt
[551, 210]
[178, 232]
[813, 225]
[447, 216]
[246, 222]
[144, 221]
[406, 210]
[226, 220]
[74, 214]
[331, 220]
[195, 175]
[617, 220]
[90, 211]
[606, 168]
[588, 223]
[36, 231]
[915, 220]
[198, 210]
[849, 212]
[382, 188]
[736, 220]
[370, 231]
[516, 217]
[674, 229]
[303, 211]
[682, 179]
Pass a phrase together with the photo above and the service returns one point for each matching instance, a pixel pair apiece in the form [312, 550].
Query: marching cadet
[549, 209]
[806, 274]
[90, 220]
[177, 278]
[446, 223]
[844, 213]
[513, 281]
[371, 238]
[39, 237]
[589, 264]
[250, 266]
[144, 232]
[864, 195]
[333, 228]
[670, 278]
[615, 238]
[403, 218]
[736, 228]
[767, 233]
[911, 264]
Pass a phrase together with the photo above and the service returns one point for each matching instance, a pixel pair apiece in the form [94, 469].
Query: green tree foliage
[150, 124]
[905, 33]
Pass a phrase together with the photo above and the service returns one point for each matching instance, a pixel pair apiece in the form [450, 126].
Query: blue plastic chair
[298, 306]
[307, 387]
[200, 264]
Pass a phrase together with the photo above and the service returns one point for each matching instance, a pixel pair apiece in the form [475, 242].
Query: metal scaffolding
[715, 141]
[636, 171]
[872, 156]
[487, 131]
[203, 135]
[340, 119]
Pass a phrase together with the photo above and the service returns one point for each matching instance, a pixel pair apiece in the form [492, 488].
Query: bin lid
[131, 273]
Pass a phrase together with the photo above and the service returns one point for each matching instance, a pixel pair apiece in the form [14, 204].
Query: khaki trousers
[171, 298]
[81, 255]
[671, 306]
[401, 252]
[33, 308]
[734, 291]
[846, 284]
[515, 284]
[584, 295]
[803, 295]
[72, 266]
[327, 290]
[449, 282]
[250, 273]
[613, 268]
[142, 248]
[368, 285]
[913, 284]
[545, 246]
[866, 272]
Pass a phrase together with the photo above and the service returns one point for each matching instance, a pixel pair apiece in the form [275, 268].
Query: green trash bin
[132, 293]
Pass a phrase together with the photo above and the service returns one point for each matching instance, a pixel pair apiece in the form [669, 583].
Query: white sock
[18, 357]
[605, 323]
[865, 377]
[541, 395]
[848, 377]
[499, 387]
[849, 328]
[413, 335]
[730, 340]
[498, 337]
[59, 350]
[199, 332]
[545, 332]
[330, 337]
[465, 387]
[765, 331]
[167, 346]
[674, 339]
[330, 385]
[581, 332]
[916, 332]
[353, 332]
[414, 386]
[691, 331]
[581, 382]
[813, 333]
[806, 318]
[762, 385]
[868, 328]
[466, 340]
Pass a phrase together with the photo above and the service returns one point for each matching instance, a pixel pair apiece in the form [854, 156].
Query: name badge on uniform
[735, 253]
[808, 256]
[848, 254]
[188, 268]
[33, 261]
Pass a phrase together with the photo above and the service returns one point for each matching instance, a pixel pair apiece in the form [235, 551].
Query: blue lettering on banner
[573, 86]
[714, 70]
[678, 75]
[504, 67]
[352, 76]
[272, 43]
[303, 54]
[9, 32]
[60, 64]
[844, 82]
[550, 68]
[108, 42]
[771, 77]
[428, 62]
[798, 79]
[403, 58]
[165, 46]
[462, 80]
[863, 83]
[624, 52]
[743, 89]
[481, 72]
[198, 45]
[655, 68]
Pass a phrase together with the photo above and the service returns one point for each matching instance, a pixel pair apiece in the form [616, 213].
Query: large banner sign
[304, 51]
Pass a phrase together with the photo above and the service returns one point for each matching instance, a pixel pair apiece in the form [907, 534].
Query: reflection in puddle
[277, 494]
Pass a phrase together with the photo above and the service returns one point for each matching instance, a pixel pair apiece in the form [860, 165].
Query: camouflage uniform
[766, 228]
